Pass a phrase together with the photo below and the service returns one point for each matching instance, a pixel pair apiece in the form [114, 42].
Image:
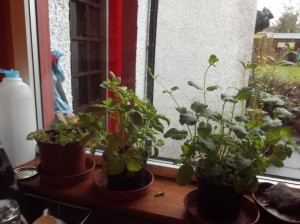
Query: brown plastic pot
[218, 202]
[57, 160]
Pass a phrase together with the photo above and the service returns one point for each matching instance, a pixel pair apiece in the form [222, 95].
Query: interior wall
[6, 56]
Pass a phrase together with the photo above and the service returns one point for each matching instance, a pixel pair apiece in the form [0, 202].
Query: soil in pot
[218, 202]
[126, 181]
[59, 160]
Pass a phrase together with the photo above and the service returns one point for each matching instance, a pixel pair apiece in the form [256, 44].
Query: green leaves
[232, 147]
[245, 93]
[184, 174]
[188, 118]
[282, 113]
[193, 84]
[213, 59]
[198, 107]
[176, 134]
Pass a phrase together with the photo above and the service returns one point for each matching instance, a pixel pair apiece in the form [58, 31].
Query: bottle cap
[11, 74]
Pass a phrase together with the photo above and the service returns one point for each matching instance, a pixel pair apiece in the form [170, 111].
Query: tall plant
[230, 149]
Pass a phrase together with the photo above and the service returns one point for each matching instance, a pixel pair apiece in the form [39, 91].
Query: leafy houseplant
[137, 122]
[62, 149]
[229, 150]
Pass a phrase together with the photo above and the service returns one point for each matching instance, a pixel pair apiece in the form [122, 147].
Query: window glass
[184, 41]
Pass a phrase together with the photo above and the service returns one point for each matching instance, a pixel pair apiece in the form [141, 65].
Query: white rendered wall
[60, 39]
[188, 33]
[141, 51]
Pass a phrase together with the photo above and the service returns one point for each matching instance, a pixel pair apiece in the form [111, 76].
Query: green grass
[289, 74]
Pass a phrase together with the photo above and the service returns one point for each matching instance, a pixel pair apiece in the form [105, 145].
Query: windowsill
[168, 208]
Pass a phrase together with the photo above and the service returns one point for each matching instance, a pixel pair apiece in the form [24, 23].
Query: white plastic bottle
[17, 118]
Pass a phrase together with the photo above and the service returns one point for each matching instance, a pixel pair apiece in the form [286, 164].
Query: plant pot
[57, 160]
[126, 181]
[219, 202]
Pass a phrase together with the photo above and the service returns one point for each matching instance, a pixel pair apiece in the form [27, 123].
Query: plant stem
[204, 84]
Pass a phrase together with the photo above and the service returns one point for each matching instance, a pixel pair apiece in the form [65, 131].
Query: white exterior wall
[188, 33]
[60, 39]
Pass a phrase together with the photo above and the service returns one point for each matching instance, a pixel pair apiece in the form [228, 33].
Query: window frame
[120, 60]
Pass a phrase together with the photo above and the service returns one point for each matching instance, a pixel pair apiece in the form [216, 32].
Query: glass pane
[95, 89]
[94, 56]
[79, 91]
[78, 56]
[94, 22]
[77, 19]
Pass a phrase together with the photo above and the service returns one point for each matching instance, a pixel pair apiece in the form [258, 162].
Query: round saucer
[100, 181]
[68, 180]
[249, 212]
[262, 202]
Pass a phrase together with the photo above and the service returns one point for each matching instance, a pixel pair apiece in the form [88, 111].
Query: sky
[276, 6]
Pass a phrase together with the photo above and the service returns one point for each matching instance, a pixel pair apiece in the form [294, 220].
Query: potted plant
[62, 149]
[226, 152]
[134, 139]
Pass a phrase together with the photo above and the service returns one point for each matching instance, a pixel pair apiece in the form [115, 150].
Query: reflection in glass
[77, 19]
[79, 88]
[94, 22]
[78, 56]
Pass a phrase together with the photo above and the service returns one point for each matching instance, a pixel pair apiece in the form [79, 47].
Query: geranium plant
[230, 149]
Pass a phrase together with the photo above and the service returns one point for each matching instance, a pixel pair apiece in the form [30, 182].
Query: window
[182, 38]
[88, 51]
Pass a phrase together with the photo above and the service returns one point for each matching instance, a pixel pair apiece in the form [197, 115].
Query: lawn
[290, 74]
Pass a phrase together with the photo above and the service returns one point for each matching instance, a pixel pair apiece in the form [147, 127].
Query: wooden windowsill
[168, 208]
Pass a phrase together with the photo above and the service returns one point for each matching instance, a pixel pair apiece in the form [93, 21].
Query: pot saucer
[249, 212]
[68, 180]
[100, 181]
[262, 202]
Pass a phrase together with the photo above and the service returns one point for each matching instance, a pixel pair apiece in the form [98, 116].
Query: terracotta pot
[218, 202]
[59, 160]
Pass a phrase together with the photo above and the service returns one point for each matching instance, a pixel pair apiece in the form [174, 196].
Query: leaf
[184, 174]
[96, 108]
[245, 93]
[212, 88]
[268, 122]
[228, 98]
[115, 166]
[242, 118]
[163, 117]
[188, 118]
[282, 113]
[240, 131]
[193, 84]
[248, 64]
[135, 118]
[198, 107]
[287, 132]
[133, 164]
[208, 144]
[176, 134]
[204, 129]
[273, 135]
[213, 59]
[174, 88]
[181, 109]
[159, 193]
[157, 125]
